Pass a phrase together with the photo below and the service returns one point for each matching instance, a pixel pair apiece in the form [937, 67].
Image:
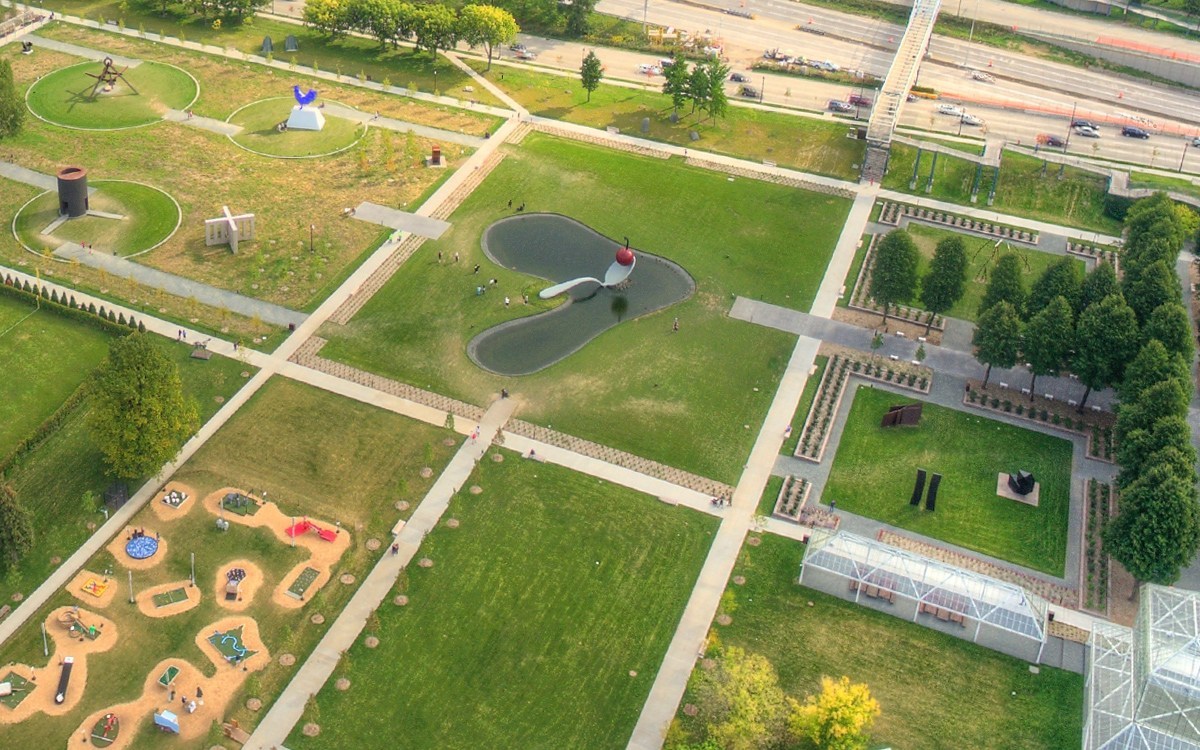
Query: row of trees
[894, 278]
[212, 8]
[703, 85]
[742, 707]
[432, 27]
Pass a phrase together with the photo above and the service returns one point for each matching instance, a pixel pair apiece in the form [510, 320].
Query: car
[525, 54]
[837, 105]
[1196, 142]
[1130, 131]
[826, 66]
[749, 92]
[517, 47]
[739, 78]
[979, 75]
[911, 97]
[1084, 124]
[950, 109]
[649, 69]
[1053, 141]
[1087, 132]
[971, 120]
[859, 100]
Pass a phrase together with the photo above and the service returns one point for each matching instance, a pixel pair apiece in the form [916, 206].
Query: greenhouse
[975, 607]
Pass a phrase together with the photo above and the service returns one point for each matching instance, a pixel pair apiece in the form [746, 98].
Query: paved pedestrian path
[830, 290]
[289, 707]
[17, 173]
[404, 221]
[86, 52]
[211, 124]
[402, 126]
[180, 286]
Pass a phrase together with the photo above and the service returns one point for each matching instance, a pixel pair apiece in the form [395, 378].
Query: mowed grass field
[150, 218]
[936, 692]
[141, 96]
[44, 358]
[874, 468]
[541, 624]
[638, 386]
[260, 134]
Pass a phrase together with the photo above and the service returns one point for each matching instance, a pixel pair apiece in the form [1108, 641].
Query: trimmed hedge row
[106, 320]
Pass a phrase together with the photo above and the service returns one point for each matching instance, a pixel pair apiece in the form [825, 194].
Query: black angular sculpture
[931, 498]
[1021, 483]
[918, 488]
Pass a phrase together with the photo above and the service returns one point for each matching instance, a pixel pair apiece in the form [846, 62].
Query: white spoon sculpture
[616, 273]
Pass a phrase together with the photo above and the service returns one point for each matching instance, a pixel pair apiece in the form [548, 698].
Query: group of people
[190, 705]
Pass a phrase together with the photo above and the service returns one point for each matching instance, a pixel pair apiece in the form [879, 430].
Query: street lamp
[763, 91]
[312, 228]
[1184, 156]
[1070, 126]
[435, 86]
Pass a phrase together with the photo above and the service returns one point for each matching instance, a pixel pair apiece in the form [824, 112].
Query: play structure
[140, 546]
[166, 722]
[304, 116]
[236, 502]
[13, 689]
[108, 76]
[94, 587]
[64, 679]
[230, 645]
[302, 583]
[175, 498]
[73, 622]
[167, 678]
[233, 580]
[105, 731]
[306, 526]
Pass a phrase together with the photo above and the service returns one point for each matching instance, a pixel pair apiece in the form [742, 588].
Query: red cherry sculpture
[625, 256]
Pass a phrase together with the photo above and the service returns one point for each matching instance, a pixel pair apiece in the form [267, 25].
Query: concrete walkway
[181, 287]
[401, 126]
[828, 294]
[404, 221]
[17, 173]
[211, 124]
[287, 710]
[85, 52]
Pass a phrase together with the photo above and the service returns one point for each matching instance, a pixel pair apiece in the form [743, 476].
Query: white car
[827, 66]
[971, 120]
[1087, 132]
[979, 75]
[950, 109]
[649, 70]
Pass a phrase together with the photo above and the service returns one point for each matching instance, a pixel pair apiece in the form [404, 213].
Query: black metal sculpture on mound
[108, 78]
[1021, 482]
[931, 498]
[904, 415]
[918, 488]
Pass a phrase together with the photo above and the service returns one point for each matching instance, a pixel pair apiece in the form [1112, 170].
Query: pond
[558, 248]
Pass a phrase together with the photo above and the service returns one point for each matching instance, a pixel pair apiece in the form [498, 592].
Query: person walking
[675, 326]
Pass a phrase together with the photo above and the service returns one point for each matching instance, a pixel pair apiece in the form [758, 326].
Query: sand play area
[174, 501]
[93, 589]
[324, 542]
[178, 695]
[225, 584]
[77, 643]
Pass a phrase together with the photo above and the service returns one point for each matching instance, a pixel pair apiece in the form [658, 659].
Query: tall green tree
[12, 107]
[944, 284]
[1060, 279]
[487, 26]
[1048, 341]
[997, 338]
[741, 702]
[579, 13]
[1164, 399]
[698, 88]
[718, 102]
[1100, 283]
[1156, 531]
[1138, 445]
[1169, 324]
[330, 17]
[590, 73]
[436, 28]
[16, 527]
[1006, 284]
[1156, 285]
[1152, 364]
[894, 275]
[1106, 339]
[675, 83]
[140, 417]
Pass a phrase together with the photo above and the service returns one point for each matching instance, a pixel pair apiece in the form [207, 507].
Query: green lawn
[637, 386]
[874, 468]
[318, 453]
[140, 98]
[260, 134]
[544, 618]
[936, 692]
[44, 358]
[150, 218]
[1077, 200]
[52, 479]
[1159, 182]
[806, 143]
[981, 254]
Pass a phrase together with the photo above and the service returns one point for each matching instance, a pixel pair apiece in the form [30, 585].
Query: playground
[173, 501]
[138, 548]
[168, 599]
[235, 583]
[93, 589]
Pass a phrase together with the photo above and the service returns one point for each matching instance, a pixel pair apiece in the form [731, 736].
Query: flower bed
[891, 213]
[1095, 573]
[1097, 426]
[860, 298]
[1088, 250]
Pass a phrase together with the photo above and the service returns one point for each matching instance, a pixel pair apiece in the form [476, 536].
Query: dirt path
[145, 599]
[169, 513]
[218, 690]
[246, 591]
[117, 549]
[322, 554]
[41, 699]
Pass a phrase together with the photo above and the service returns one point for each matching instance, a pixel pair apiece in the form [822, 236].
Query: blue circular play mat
[141, 547]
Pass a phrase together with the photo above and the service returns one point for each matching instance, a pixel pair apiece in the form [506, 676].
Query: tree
[378, 18]
[140, 417]
[741, 702]
[1165, 398]
[997, 338]
[1152, 364]
[590, 73]
[1191, 7]
[698, 87]
[488, 26]
[1169, 324]
[675, 83]
[436, 27]
[1005, 284]
[16, 527]
[330, 17]
[12, 107]
[837, 718]
[1048, 340]
[1138, 445]
[943, 286]
[1156, 531]
[578, 14]
[718, 102]
[894, 276]
[1060, 279]
[1100, 283]
[1156, 285]
[1106, 338]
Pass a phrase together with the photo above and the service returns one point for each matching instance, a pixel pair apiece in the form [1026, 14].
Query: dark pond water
[557, 249]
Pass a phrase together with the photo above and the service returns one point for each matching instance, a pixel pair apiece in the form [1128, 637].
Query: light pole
[312, 228]
[763, 91]
[645, 9]
[1070, 126]
[435, 86]
[1184, 156]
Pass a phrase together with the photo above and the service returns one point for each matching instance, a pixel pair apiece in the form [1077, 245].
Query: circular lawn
[260, 132]
[64, 97]
[150, 217]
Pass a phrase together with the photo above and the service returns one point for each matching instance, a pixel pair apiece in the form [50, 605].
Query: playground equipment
[64, 679]
[230, 645]
[140, 546]
[306, 526]
[105, 731]
[94, 587]
[73, 622]
[233, 579]
[167, 722]
[175, 498]
[167, 678]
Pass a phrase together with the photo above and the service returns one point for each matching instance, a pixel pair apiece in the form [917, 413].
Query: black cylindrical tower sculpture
[72, 191]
